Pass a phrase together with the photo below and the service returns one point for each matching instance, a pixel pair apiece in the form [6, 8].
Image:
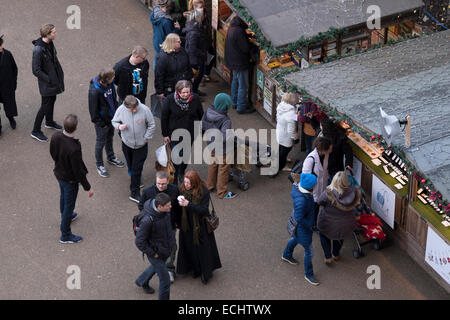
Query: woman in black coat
[197, 45]
[172, 65]
[179, 111]
[197, 248]
[341, 147]
[8, 84]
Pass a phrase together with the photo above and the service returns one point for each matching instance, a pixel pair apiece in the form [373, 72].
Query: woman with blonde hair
[337, 220]
[286, 127]
[172, 65]
[197, 251]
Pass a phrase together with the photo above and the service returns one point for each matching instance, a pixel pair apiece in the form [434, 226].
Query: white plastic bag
[161, 156]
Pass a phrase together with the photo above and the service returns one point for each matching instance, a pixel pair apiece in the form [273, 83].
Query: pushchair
[240, 171]
[369, 227]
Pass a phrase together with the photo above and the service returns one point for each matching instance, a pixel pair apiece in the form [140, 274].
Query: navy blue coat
[303, 210]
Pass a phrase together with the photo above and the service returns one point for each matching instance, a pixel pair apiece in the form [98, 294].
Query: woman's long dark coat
[8, 83]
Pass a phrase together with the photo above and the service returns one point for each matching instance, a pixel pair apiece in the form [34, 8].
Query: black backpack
[137, 221]
[296, 170]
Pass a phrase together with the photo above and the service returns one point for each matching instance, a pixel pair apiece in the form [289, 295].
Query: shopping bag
[169, 168]
[161, 155]
[156, 105]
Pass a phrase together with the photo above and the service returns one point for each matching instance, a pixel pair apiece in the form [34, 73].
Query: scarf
[195, 219]
[183, 103]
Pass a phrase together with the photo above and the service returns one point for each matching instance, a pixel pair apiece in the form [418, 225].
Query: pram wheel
[244, 186]
[376, 245]
[357, 254]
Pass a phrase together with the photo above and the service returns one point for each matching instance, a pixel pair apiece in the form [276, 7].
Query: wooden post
[408, 132]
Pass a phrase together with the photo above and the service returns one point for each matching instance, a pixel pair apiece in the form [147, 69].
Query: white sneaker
[172, 277]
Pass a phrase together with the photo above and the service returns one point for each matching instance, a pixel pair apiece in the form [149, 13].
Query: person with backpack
[102, 107]
[216, 117]
[303, 203]
[162, 185]
[156, 239]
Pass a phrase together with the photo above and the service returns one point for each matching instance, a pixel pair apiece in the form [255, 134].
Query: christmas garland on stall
[423, 182]
[266, 45]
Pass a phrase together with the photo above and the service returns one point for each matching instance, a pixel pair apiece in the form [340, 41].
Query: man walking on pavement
[162, 185]
[8, 85]
[47, 69]
[70, 170]
[132, 75]
[155, 238]
[102, 106]
[237, 58]
[136, 124]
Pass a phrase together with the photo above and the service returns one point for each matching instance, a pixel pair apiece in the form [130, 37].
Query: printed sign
[260, 78]
[437, 255]
[383, 201]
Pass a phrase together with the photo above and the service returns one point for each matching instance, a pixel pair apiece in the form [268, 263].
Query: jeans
[239, 89]
[104, 140]
[326, 246]
[47, 106]
[198, 79]
[135, 159]
[157, 266]
[67, 199]
[304, 238]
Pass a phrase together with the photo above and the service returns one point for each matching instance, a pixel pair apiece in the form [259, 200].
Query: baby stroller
[369, 226]
[240, 171]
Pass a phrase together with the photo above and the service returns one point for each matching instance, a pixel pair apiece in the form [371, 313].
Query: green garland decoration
[266, 45]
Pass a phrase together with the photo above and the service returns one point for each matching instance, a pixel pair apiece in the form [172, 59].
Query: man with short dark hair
[70, 170]
[132, 75]
[136, 124]
[155, 238]
[102, 106]
[8, 85]
[47, 69]
[162, 185]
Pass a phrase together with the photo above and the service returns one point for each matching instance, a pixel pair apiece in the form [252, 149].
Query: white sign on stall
[437, 255]
[383, 201]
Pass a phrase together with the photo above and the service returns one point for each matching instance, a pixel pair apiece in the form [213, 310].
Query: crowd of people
[323, 200]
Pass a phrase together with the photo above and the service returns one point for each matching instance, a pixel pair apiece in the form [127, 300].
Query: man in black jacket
[132, 75]
[70, 170]
[48, 70]
[8, 85]
[237, 58]
[156, 239]
[162, 185]
[102, 106]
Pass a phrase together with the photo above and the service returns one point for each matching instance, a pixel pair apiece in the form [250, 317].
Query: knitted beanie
[222, 102]
[308, 181]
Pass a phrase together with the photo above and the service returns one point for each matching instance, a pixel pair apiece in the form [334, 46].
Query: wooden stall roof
[285, 21]
[408, 78]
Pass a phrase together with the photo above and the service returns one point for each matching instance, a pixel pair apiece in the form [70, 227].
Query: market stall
[328, 29]
[406, 182]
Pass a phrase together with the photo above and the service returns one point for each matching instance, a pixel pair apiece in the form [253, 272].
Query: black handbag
[156, 105]
[212, 221]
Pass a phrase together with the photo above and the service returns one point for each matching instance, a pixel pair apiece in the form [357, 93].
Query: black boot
[12, 122]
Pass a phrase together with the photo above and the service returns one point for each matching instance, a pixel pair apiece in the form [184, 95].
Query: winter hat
[308, 181]
[222, 102]
[162, 2]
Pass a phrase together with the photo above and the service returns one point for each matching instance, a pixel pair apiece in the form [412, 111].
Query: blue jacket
[303, 209]
[162, 26]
